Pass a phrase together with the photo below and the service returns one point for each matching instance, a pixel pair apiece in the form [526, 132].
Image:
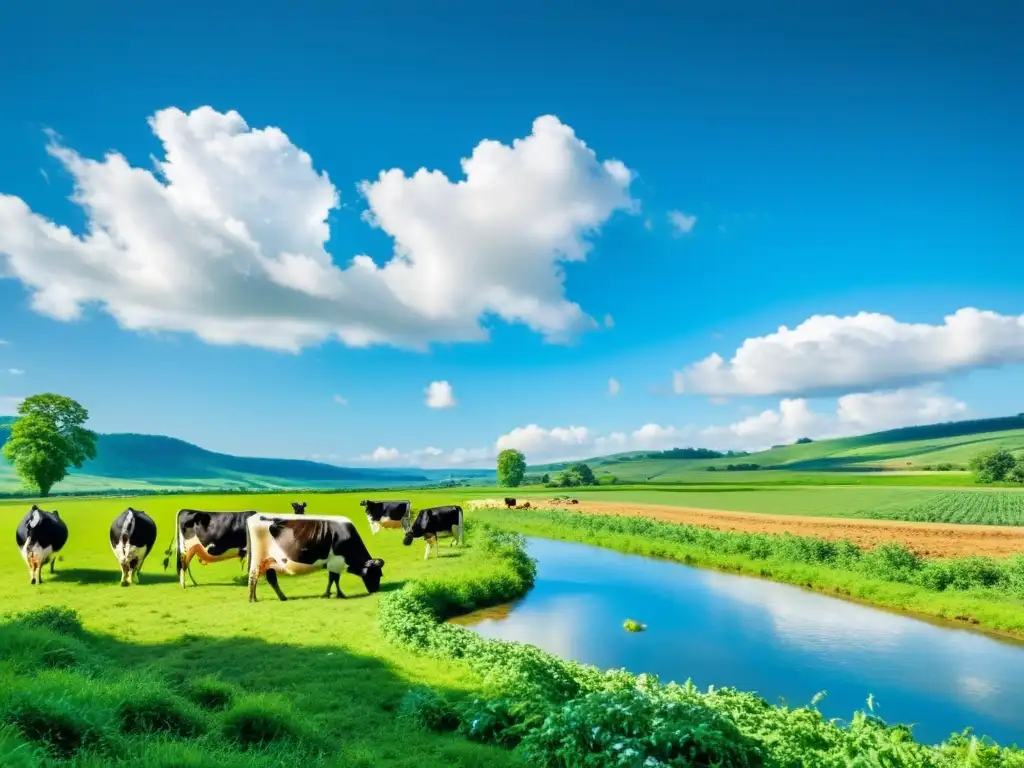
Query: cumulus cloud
[225, 239]
[439, 395]
[340, 400]
[682, 223]
[829, 354]
[613, 387]
[794, 418]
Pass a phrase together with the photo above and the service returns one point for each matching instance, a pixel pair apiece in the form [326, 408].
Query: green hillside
[155, 462]
[948, 446]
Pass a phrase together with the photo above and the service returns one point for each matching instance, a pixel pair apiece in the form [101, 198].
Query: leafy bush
[425, 709]
[257, 722]
[564, 714]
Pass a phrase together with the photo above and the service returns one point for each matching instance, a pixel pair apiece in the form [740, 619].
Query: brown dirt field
[926, 539]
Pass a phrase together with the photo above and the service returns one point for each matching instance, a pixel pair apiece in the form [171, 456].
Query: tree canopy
[996, 466]
[49, 438]
[511, 467]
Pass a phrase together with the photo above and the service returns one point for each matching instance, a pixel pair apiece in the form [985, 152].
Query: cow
[294, 544]
[40, 536]
[211, 537]
[132, 536]
[510, 502]
[433, 521]
[299, 507]
[387, 514]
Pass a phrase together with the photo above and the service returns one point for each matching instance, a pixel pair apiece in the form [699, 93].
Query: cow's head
[371, 573]
[299, 507]
[362, 503]
[409, 536]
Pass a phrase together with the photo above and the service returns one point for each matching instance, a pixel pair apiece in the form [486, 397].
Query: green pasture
[325, 658]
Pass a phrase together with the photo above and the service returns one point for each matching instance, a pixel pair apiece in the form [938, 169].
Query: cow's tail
[175, 544]
[462, 528]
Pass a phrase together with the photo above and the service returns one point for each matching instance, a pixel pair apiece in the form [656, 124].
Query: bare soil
[926, 539]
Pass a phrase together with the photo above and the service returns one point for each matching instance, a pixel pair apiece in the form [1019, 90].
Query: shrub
[146, 708]
[210, 692]
[425, 709]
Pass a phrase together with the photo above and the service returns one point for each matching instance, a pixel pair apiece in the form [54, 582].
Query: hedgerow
[563, 714]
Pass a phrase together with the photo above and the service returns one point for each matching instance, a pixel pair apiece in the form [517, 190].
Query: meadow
[153, 675]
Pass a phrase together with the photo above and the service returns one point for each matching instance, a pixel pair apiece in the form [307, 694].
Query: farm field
[981, 506]
[325, 658]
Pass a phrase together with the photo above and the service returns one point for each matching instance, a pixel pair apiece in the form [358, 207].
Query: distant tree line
[998, 466]
[685, 453]
[734, 468]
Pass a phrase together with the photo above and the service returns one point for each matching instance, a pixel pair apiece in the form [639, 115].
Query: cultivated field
[978, 505]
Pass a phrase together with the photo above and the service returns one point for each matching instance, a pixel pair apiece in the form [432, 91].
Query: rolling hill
[156, 462]
[947, 446]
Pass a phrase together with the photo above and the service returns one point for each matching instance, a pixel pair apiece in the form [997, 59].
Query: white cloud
[830, 354]
[4, 342]
[794, 418]
[15, 371]
[340, 400]
[718, 400]
[225, 239]
[614, 387]
[9, 405]
[439, 395]
[682, 223]
[609, 321]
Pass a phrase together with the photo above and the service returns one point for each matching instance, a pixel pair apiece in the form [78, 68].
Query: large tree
[511, 467]
[993, 466]
[49, 438]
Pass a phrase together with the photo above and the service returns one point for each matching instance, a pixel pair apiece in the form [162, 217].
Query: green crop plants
[564, 714]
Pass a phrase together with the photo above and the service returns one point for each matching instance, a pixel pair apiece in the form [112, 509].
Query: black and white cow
[210, 537]
[387, 514]
[132, 536]
[40, 536]
[299, 507]
[294, 544]
[431, 522]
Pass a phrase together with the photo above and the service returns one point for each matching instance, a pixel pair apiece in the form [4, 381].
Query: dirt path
[927, 539]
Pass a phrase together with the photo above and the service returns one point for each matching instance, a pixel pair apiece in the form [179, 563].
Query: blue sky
[836, 162]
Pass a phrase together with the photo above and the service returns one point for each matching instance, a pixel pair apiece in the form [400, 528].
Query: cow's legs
[126, 573]
[272, 581]
[335, 579]
[53, 563]
[455, 536]
[427, 553]
[186, 563]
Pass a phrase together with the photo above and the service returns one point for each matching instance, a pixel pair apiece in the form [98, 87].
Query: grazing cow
[211, 537]
[509, 502]
[299, 507]
[132, 536]
[40, 536]
[432, 521]
[294, 545]
[387, 514]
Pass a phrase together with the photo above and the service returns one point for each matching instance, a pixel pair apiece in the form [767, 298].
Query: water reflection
[781, 641]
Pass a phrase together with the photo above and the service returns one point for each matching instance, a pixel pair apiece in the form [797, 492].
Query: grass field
[325, 658]
[160, 677]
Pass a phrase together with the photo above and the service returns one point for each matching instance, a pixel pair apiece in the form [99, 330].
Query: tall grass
[565, 714]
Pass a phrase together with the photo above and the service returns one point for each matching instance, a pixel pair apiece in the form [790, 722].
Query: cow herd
[268, 543]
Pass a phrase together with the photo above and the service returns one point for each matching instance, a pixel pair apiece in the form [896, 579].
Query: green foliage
[574, 476]
[545, 478]
[511, 467]
[994, 466]
[563, 714]
[48, 439]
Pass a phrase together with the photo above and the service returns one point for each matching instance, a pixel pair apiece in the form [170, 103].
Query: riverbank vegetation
[979, 591]
[564, 714]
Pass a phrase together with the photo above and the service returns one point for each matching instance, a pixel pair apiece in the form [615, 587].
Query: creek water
[783, 642]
